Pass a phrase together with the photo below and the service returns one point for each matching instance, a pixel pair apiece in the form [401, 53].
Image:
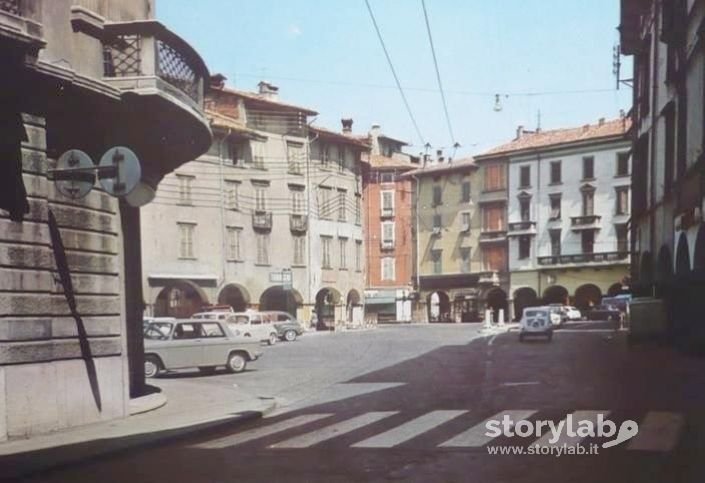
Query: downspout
[418, 242]
[310, 216]
[223, 229]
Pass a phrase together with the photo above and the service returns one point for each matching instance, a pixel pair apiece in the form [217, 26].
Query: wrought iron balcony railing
[386, 244]
[386, 212]
[583, 258]
[488, 236]
[298, 223]
[262, 220]
[522, 225]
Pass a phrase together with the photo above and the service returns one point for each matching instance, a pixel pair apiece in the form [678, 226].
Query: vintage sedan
[536, 321]
[206, 344]
[603, 312]
[288, 327]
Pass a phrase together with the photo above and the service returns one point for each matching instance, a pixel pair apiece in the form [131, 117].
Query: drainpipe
[310, 217]
[418, 243]
[223, 229]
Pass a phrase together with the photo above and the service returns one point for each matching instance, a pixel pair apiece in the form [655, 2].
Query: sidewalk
[191, 407]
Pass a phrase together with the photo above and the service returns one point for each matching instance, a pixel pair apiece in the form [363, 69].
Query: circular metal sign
[120, 171]
[78, 175]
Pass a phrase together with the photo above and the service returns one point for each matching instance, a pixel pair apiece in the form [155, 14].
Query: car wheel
[236, 362]
[207, 369]
[273, 338]
[152, 366]
[247, 334]
[290, 335]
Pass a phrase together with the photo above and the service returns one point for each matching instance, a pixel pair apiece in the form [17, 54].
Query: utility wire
[438, 73]
[394, 73]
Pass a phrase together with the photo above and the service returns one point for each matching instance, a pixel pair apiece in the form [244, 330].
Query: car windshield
[158, 330]
[239, 319]
[535, 313]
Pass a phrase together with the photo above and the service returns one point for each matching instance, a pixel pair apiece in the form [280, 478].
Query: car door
[256, 327]
[215, 344]
[186, 346]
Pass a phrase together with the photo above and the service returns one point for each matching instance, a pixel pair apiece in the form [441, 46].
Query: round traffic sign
[120, 171]
[75, 184]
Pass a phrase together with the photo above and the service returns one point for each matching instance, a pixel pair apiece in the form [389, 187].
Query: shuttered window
[493, 218]
[494, 258]
[495, 177]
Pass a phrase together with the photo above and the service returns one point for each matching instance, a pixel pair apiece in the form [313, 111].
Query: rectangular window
[465, 222]
[388, 234]
[297, 201]
[342, 208]
[494, 258]
[437, 195]
[437, 257]
[358, 208]
[232, 195]
[185, 189]
[555, 242]
[324, 203]
[263, 249]
[437, 221]
[588, 203]
[341, 159]
[525, 177]
[388, 268]
[186, 234]
[493, 218]
[623, 164]
[211, 329]
[257, 148]
[555, 207]
[495, 178]
[300, 250]
[524, 247]
[556, 177]
[260, 197]
[236, 154]
[588, 241]
[343, 245]
[525, 209]
[295, 156]
[622, 200]
[234, 243]
[386, 177]
[465, 260]
[325, 155]
[358, 255]
[622, 238]
[325, 248]
[465, 197]
[387, 203]
[588, 167]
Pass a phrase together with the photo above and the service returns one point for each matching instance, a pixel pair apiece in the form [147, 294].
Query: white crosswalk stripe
[261, 432]
[334, 430]
[659, 431]
[409, 430]
[476, 436]
[565, 437]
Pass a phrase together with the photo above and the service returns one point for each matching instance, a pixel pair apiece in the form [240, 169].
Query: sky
[540, 56]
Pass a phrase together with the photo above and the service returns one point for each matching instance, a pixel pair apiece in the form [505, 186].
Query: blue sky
[325, 55]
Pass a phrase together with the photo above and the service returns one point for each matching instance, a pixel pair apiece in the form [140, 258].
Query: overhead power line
[394, 73]
[438, 73]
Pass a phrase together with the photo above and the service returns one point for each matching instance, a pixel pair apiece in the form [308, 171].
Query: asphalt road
[412, 406]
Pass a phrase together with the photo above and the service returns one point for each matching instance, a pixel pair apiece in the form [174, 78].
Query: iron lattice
[11, 6]
[123, 57]
[175, 69]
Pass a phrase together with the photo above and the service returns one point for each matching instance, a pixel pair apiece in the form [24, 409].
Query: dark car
[603, 312]
[288, 328]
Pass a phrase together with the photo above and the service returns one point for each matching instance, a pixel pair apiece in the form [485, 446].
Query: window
[465, 260]
[325, 154]
[300, 250]
[325, 247]
[437, 195]
[555, 207]
[437, 221]
[211, 329]
[465, 196]
[234, 243]
[493, 218]
[437, 258]
[187, 331]
[588, 241]
[622, 200]
[588, 202]
[388, 268]
[358, 208]
[555, 242]
[186, 232]
[494, 258]
[343, 245]
[235, 154]
[465, 222]
[185, 183]
[232, 195]
[623, 164]
[263, 249]
[387, 203]
[386, 177]
[297, 200]
[295, 157]
[388, 234]
[555, 172]
[588, 167]
[342, 209]
[257, 148]
[495, 177]
[358, 255]
[260, 197]
[324, 203]
[524, 247]
[622, 238]
[341, 159]
[525, 209]
[525, 177]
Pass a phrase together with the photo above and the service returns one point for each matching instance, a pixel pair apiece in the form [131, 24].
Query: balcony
[589, 222]
[386, 244]
[522, 228]
[581, 258]
[20, 22]
[262, 220]
[298, 223]
[489, 277]
[493, 236]
[386, 213]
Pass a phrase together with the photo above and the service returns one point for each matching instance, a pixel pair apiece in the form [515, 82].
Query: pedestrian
[314, 320]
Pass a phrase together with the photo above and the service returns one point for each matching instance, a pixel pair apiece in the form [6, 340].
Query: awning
[380, 297]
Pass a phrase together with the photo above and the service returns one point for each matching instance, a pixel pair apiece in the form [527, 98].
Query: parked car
[573, 313]
[148, 320]
[253, 324]
[620, 302]
[536, 321]
[603, 312]
[288, 327]
[219, 315]
[205, 344]
[558, 314]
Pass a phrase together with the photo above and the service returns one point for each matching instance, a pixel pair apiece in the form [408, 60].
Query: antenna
[538, 121]
[617, 67]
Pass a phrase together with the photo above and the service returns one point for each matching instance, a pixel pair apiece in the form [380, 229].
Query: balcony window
[388, 269]
[257, 148]
[588, 202]
[343, 246]
[493, 218]
[465, 260]
[622, 238]
[555, 207]
[556, 174]
[555, 243]
[525, 209]
[524, 247]
[299, 250]
[623, 164]
[437, 195]
[465, 196]
[260, 198]
[186, 236]
[588, 167]
[495, 179]
[465, 222]
[324, 203]
[525, 177]
[295, 156]
[387, 203]
[234, 243]
[388, 234]
[342, 208]
[232, 195]
[622, 200]
[263, 249]
[588, 241]
[437, 258]
[326, 242]
[494, 258]
[437, 221]
[297, 200]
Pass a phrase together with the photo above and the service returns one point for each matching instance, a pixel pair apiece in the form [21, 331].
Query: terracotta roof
[445, 167]
[542, 139]
[340, 137]
[220, 120]
[378, 161]
[384, 136]
[253, 96]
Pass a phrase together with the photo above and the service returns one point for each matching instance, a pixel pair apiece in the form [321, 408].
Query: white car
[253, 324]
[573, 313]
[221, 316]
[536, 321]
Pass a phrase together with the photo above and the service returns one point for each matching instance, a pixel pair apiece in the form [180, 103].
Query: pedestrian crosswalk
[658, 431]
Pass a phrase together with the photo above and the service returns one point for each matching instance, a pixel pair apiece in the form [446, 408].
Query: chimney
[217, 81]
[601, 121]
[439, 155]
[586, 127]
[268, 91]
[347, 125]
[520, 132]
